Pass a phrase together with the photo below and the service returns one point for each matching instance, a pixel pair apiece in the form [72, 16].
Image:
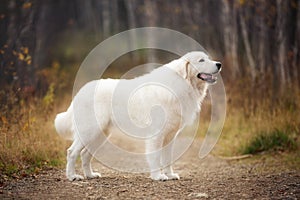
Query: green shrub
[275, 140]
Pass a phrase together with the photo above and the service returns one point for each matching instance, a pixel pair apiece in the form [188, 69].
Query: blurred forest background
[43, 43]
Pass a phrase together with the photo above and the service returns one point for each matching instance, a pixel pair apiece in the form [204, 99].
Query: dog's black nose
[219, 65]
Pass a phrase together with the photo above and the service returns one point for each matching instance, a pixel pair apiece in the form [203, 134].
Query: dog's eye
[201, 60]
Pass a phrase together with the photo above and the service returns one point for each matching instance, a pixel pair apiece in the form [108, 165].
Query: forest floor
[210, 178]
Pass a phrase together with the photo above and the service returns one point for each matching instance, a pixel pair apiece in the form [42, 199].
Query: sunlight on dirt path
[211, 178]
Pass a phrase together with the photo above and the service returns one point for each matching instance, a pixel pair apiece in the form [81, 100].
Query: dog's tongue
[205, 76]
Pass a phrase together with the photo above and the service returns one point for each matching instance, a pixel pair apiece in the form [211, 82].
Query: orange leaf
[25, 50]
[28, 57]
[21, 56]
[242, 2]
[27, 5]
[4, 120]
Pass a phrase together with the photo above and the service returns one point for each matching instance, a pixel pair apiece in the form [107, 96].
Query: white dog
[178, 87]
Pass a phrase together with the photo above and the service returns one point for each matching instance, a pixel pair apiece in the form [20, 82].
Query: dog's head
[198, 64]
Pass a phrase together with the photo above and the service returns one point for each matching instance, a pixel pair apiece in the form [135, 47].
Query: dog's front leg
[167, 161]
[153, 155]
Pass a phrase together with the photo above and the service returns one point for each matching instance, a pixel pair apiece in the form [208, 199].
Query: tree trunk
[105, 19]
[230, 37]
[21, 41]
[115, 18]
[151, 16]
[247, 45]
[262, 38]
[296, 51]
[131, 9]
[281, 49]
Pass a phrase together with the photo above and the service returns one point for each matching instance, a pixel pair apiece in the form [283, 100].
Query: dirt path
[211, 178]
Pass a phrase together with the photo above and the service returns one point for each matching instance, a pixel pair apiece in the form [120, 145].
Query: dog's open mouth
[210, 78]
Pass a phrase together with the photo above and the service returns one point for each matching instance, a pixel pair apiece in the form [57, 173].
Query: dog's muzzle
[210, 78]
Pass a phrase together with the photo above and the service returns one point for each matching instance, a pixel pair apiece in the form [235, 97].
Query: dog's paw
[93, 175]
[173, 176]
[75, 177]
[159, 177]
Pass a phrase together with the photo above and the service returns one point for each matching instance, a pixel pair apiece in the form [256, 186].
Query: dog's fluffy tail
[63, 124]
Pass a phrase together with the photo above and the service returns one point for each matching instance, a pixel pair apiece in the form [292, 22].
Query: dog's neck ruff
[198, 87]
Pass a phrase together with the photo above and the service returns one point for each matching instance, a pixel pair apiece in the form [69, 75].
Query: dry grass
[28, 140]
[278, 140]
[245, 125]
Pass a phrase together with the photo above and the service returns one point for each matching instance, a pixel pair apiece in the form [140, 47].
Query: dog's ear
[184, 71]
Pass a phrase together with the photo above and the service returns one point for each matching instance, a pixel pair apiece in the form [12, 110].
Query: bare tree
[105, 18]
[151, 20]
[230, 35]
[262, 40]
[253, 37]
[296, 50]
[281, 51]
[248, 50]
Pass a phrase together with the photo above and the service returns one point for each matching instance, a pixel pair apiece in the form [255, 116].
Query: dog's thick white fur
[190, 76]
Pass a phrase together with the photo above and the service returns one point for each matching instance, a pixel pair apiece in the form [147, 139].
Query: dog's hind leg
[72, 154]
[86, 158]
